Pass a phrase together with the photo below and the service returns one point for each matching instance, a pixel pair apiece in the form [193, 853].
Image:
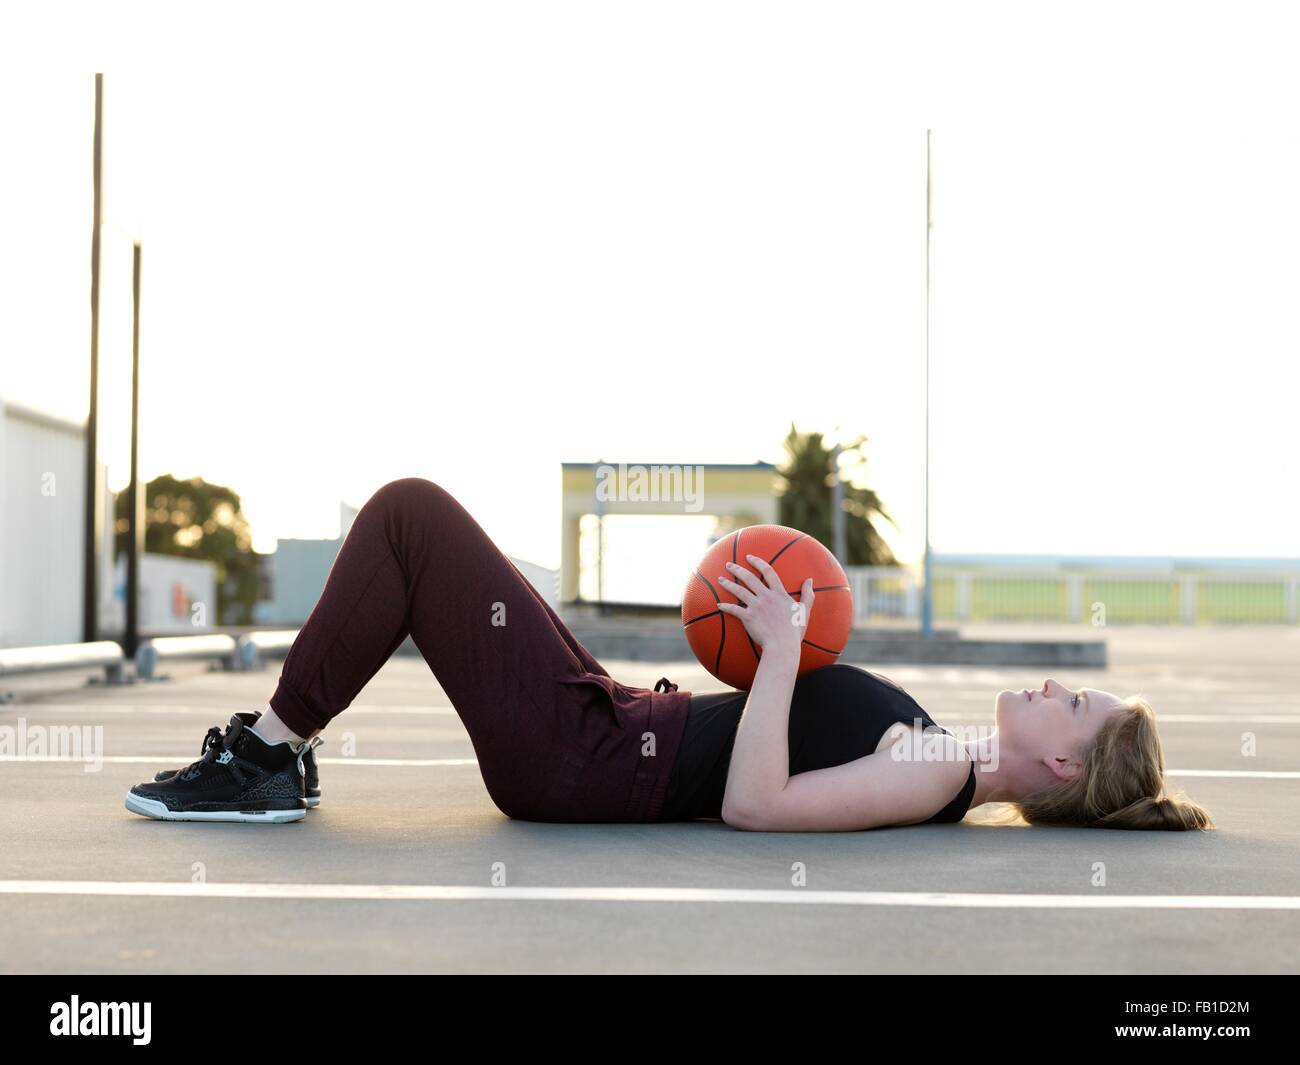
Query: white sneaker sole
[312, 801]
[159, 812]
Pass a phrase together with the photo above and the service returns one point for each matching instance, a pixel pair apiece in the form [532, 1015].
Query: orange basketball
[720, 641]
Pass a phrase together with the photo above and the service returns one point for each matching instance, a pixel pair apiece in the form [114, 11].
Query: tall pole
[927, 601]
[838, 532]
[90, 593]
[135, 496]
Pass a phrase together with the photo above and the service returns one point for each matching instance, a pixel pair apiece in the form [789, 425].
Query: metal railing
[216, 646]
[246, 652]
[103, 654]
[1026, 594]
[254, 647]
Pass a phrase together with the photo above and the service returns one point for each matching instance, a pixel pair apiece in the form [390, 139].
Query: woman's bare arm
[869, 792]
[760, 759]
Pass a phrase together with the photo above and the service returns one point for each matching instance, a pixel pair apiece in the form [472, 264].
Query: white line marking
[1172, 719]
[1252, 719]
[793, 896]
[186, 759]
[1247, 774]
[215, 712]
[1160, 696]
[94, 711]
[404, 761]
[1288, 717]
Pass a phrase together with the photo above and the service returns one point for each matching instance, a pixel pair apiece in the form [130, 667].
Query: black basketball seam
[717, 665]
[801, 536]
[708, 586]
[828, 588]
[821, 648]
[717, 662]
[702, 617]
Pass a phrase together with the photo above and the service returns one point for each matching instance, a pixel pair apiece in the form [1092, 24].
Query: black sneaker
[311, 773]
[240, 777]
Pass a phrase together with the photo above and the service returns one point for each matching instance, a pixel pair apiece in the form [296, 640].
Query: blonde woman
[558, 739]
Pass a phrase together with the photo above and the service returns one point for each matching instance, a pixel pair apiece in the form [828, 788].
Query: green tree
[195, 519]
[805, 502]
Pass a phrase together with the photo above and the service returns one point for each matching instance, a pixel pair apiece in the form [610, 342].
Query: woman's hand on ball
[770, 616]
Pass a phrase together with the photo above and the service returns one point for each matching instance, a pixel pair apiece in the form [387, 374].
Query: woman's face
[1053, 725]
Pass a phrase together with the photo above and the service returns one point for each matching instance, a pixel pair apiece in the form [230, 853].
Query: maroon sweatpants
[557, 738]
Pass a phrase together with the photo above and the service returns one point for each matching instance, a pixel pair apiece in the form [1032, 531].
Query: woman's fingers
[743, 594]
[748, 576]
[733, 609]
[769, 574]
[806, 597]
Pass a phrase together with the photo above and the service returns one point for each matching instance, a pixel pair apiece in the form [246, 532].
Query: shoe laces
[211, 744]
[214, 746]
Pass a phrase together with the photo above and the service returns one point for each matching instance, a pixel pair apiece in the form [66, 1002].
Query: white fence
[1097, 594]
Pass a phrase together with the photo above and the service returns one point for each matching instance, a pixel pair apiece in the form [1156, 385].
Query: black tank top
[837, 714]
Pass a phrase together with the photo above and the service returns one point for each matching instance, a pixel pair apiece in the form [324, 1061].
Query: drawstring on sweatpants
[668, 685]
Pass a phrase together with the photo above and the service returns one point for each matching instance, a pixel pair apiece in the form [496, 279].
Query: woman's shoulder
[844, 673]
[842, 677]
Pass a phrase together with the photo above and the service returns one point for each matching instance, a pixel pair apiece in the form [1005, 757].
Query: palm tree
[805, 502]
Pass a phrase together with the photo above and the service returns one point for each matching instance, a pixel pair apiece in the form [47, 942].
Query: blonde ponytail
[1172, 813]
[1122, 784]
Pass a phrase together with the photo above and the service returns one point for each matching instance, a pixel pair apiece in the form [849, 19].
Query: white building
[177, 596]
[42, 527]
[42, 531]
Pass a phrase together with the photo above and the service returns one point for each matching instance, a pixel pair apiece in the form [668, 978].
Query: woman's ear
[1064, 768]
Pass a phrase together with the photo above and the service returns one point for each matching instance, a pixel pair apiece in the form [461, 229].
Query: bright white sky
[469, 242]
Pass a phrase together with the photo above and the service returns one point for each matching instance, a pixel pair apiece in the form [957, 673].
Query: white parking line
[214, 712]
[1167, 719]
[1245, 774]
[175, 710]
[792, 896]
[186, 759]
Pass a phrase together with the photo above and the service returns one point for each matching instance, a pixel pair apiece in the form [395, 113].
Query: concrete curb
[913, 650]
[653, 640]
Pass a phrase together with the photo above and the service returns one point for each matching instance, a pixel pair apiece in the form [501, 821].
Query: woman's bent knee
[406, 490]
